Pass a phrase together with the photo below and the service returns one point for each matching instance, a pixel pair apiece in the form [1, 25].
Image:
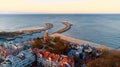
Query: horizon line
[59, 13]
[16, 12]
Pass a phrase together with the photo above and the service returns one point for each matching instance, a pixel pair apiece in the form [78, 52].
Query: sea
[103, 29]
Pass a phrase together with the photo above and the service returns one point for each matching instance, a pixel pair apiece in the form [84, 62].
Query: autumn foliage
[54, 45]
[110, 58]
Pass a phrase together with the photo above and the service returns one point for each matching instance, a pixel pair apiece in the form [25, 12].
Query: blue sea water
[99, 28]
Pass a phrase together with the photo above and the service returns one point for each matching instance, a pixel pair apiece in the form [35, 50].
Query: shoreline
[55, 34]
[74, 40]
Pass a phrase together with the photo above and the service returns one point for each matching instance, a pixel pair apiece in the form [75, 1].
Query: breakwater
[67, 27]
[13, 34]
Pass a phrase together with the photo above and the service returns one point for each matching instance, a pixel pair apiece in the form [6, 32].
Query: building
[24, 58]
[85, 52]
[46, 36]
[13, 46]
[5, 52]
[47, 59]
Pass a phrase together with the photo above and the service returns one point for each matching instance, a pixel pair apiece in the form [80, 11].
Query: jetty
[48, 26]
[13, 34]
[67, 27]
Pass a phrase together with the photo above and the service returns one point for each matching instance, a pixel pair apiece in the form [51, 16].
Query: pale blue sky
[60, 6]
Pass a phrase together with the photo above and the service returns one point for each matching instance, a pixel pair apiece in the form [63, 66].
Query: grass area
[110, 58]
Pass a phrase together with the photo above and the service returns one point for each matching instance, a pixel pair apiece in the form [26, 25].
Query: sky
[59, 6]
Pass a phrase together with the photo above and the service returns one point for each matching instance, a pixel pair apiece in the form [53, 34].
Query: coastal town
[28, 55]
[51, 50]
[59, 33]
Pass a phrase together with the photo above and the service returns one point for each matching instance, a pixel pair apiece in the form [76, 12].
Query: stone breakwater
[13, 34]
[67, 27]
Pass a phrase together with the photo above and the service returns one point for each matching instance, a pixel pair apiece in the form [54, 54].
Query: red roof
[71, 61]
[65, 59]
[62, 65]
[51, 56]
[45, 54]
[55, 57]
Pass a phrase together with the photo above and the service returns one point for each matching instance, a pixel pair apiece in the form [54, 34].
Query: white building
[23, 59]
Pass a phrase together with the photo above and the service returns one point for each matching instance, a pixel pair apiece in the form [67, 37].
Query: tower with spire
[46, 36]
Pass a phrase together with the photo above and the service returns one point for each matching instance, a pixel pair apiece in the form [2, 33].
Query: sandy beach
[74, 40]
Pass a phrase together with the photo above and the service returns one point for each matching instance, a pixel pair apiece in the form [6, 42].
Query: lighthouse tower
[46, 36]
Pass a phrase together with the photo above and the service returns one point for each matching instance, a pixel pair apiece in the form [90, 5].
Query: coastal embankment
[74, 40]
[67, 27]
[13, 34]
[34, 30]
